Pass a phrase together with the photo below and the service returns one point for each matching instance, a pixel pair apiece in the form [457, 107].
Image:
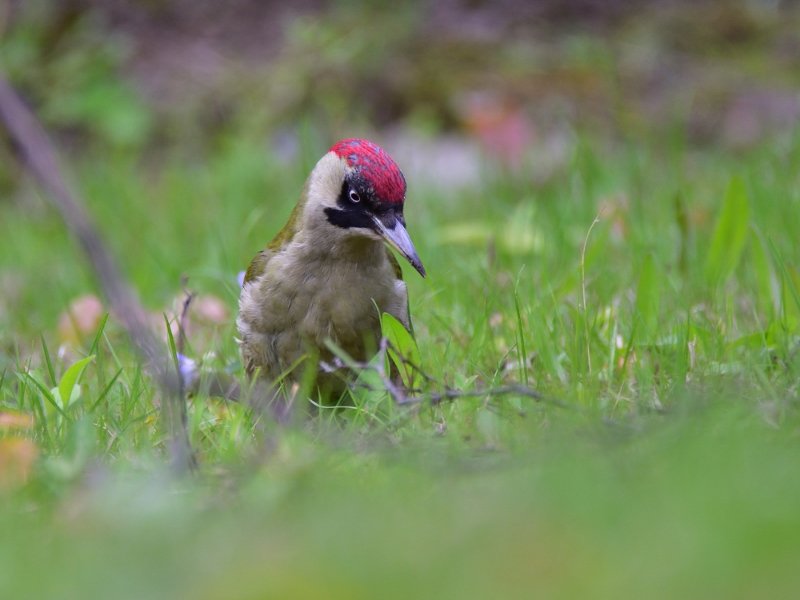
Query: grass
[668, 334]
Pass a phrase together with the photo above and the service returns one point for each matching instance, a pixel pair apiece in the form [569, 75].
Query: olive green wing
[259, 264]
[398, 272]
[399, 275]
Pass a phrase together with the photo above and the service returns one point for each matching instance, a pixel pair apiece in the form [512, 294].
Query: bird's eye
[354, 197]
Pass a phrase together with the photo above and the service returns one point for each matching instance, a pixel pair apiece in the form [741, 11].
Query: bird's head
[356, 189]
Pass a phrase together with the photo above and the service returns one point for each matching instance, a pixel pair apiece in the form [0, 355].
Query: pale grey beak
[397, 238]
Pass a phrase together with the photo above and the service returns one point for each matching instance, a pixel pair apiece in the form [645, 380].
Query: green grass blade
[730, 234]
[117, 362]
[96, 342]
[23, 384]
[36, 405]
[793, 281]
[765, 274]
[523, 353]
[790, 300]
[105, 392]
[342, 354]
[403, 349]
[49, 363]
[629, 347]
[280, 378]
[648, 298]
[172, 348]
[684, 226]
[48, 396]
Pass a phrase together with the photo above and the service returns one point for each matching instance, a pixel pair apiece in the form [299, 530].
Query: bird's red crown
[376, 166]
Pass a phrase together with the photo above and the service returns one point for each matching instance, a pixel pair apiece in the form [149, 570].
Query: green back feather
[399, 274]
[393, 261]
[281, 239]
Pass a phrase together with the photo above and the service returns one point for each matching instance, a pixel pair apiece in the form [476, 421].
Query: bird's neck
[358, 250]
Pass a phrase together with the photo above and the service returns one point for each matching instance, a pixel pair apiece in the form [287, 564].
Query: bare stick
[181, 406]
[450, 394]
[401, 396]
[41, 159]
[184, 316]
[340, 368]
[583, 290]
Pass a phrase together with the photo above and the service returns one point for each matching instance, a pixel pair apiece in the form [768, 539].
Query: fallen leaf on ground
[17, 457]
[81, 319]
[209, 310]
[13, 420]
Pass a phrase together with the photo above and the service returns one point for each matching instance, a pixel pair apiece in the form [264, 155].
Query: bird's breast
[306, 296]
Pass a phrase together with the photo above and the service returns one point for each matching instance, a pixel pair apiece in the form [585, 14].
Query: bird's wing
[280, 241]
[399, 275]
[258, 265]
[393, 261]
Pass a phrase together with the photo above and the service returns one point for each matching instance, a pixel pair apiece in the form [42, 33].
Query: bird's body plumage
[327, 275]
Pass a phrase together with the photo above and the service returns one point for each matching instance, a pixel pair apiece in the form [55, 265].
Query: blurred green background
[665, 462]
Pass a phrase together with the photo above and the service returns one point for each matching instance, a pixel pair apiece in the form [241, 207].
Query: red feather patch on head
[375, 166]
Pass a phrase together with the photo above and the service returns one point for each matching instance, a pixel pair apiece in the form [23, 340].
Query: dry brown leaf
[209, 310]
[14, 420]
[17, 458]
[81, 319]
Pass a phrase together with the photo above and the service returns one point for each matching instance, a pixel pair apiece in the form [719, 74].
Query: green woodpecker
[327, 275]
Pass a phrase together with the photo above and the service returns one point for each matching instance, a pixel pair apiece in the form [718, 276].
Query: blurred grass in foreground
[701, 504]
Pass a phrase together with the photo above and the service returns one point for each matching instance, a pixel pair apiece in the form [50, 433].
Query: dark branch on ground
[40, 157]
[405, 397]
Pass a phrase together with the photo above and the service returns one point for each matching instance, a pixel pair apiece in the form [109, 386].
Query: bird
[329, 273]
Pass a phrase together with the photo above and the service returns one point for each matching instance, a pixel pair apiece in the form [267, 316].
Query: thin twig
[397, 393]
[583, 290]
[451, 394]
[341, 370]
[404, 397]
[41, 159]
[184, 316]
[181, 351]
